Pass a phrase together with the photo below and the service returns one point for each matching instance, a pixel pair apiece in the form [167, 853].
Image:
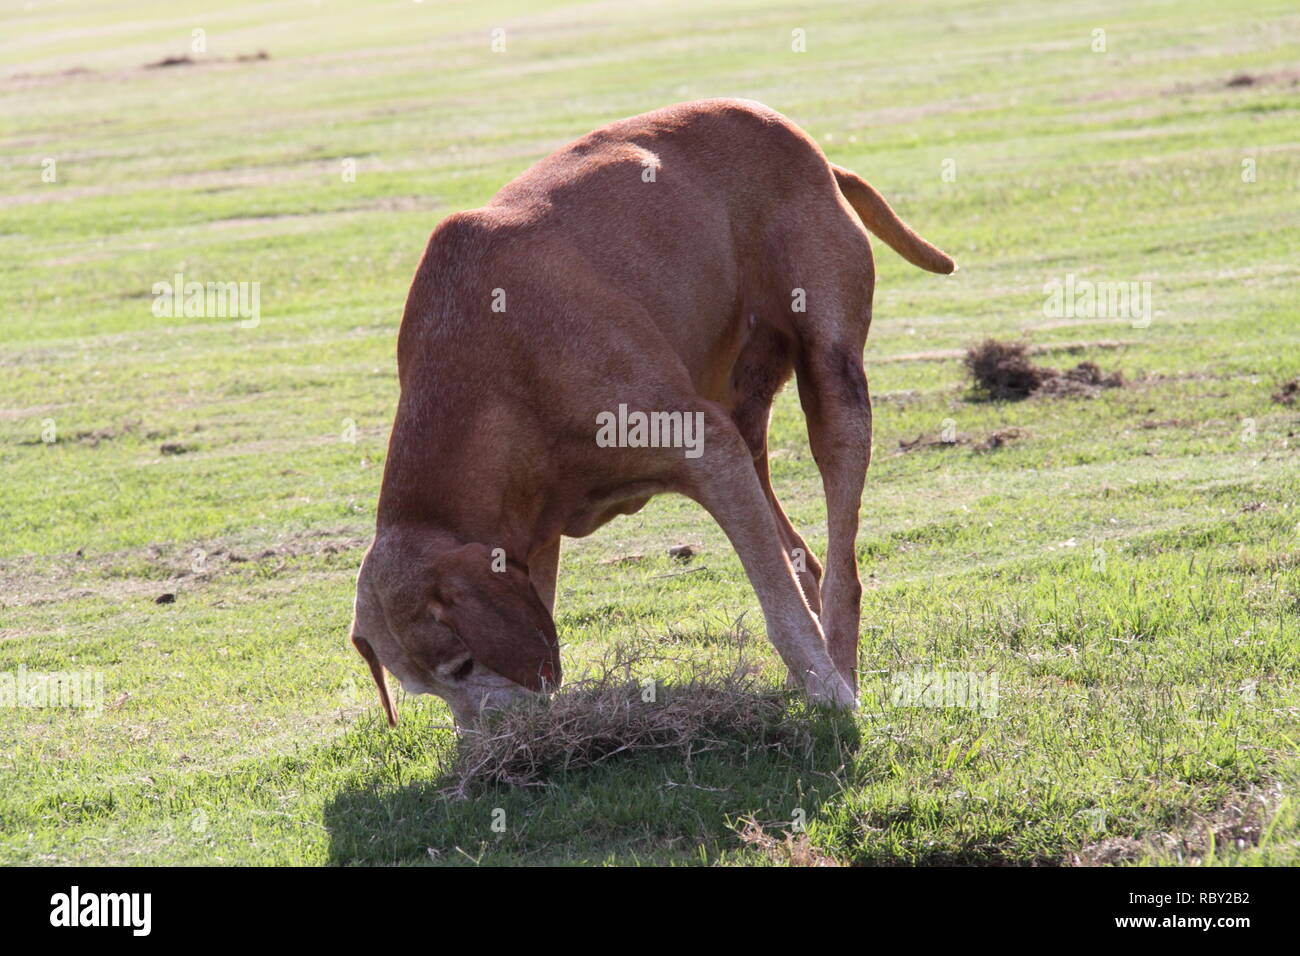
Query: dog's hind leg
[837, 404]
[824, 269]
[724, 481]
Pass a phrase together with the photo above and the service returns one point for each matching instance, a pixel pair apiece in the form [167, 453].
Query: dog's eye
[462, 672]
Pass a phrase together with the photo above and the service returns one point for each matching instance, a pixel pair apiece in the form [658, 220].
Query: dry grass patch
[607, 716]
[790, 849]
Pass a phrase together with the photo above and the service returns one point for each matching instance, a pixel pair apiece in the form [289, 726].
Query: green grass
[1128, 569]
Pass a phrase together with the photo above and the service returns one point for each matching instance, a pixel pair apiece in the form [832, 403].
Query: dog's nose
[470, 710]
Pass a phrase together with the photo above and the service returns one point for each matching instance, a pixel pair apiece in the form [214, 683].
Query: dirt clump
[1004, 371]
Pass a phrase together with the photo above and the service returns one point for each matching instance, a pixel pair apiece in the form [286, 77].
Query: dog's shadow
[688, 778]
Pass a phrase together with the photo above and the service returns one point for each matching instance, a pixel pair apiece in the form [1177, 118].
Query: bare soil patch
[1239, 81]
[154, 570]
[990, 442]
[1240, 823]
[1288, 393]
[187, 60]
[1004, 371]
[948, 355]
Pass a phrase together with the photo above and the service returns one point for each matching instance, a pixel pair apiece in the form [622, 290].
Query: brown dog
[612, 326]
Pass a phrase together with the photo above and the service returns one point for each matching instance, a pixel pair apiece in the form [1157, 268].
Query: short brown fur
[657, 263]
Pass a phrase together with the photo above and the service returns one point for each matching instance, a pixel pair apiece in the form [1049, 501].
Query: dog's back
[665, 218]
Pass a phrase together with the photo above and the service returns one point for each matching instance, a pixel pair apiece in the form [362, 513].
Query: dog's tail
[880, 219]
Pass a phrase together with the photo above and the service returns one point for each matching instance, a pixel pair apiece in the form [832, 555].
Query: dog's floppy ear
[491, 606]
[377, 672]
[367, 618]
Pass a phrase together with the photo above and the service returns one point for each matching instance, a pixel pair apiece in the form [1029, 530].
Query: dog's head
[458, 620]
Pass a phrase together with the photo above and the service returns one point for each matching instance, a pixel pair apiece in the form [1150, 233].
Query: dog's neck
[428, 491]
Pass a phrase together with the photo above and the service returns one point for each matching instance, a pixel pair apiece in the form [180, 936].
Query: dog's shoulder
[470, 239]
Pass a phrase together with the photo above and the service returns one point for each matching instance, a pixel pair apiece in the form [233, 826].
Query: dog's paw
[830, 691]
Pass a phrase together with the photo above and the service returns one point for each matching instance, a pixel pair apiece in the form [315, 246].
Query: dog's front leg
[723, 480]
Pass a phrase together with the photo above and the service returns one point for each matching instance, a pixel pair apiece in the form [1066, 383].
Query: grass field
[1127, 568]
